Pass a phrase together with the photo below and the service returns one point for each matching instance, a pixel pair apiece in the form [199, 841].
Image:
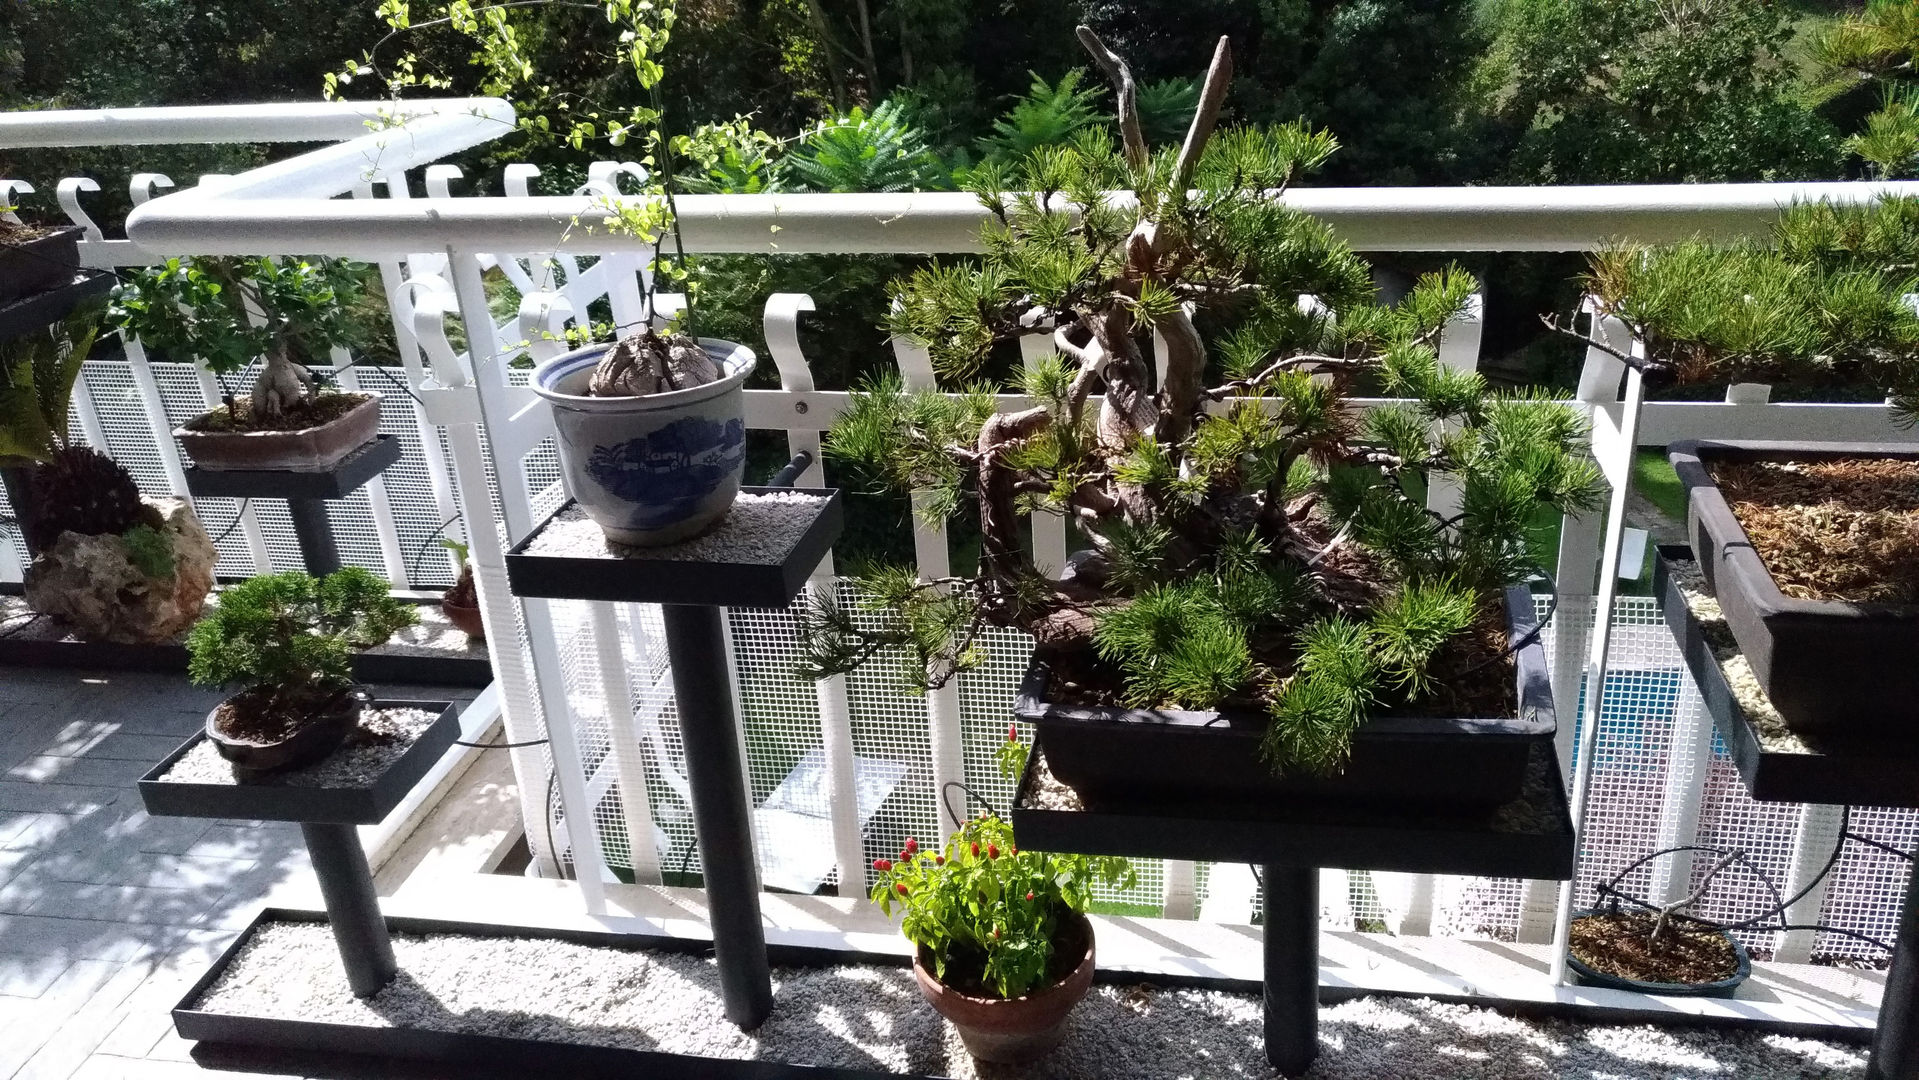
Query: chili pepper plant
[984, 911]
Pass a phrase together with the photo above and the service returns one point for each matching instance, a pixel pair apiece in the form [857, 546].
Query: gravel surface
[873, 1018]
[433, 636]
[1774, 735]
[382, 737]
[760, 529]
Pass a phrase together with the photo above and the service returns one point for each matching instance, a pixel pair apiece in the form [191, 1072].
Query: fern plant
[1251, 541]
[1048, 115]
[1165, 108]
[861, 151]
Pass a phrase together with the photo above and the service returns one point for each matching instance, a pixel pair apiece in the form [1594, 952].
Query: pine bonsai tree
[1253, 540]
[1827, 294]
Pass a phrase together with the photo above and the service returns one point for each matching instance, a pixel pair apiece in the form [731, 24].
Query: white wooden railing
[612, 734]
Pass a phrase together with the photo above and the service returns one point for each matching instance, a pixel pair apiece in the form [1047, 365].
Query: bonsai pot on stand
[1826, 665]
[1724, 987]
[306, 449]
[44, 261]
[654, 469]
[1145, 755]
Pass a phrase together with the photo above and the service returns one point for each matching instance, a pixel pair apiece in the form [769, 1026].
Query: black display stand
[329, 820]
[691, 594]
[1830, 770]
[1531, 837]
[306, 494]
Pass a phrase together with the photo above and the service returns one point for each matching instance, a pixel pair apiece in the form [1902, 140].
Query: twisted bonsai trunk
[281, 385]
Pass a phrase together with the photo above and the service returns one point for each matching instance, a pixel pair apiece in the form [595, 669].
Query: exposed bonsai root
[282, 385]
[652, 363]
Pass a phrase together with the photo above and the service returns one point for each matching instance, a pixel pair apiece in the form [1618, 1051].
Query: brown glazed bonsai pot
[311, 449]
[1016, 1030]
[309, 744]
[47, 261]
[1829, 667]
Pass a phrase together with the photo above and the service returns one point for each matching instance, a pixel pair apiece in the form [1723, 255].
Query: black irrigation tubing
[1610, 888]
[946, 791]
[413, 570]
[500, 745]
[1887, 848]
[238, 516]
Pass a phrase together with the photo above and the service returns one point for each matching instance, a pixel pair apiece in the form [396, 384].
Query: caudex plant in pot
[107, 561]
[1811, 548]
[204, 309]
[461, 601]
[288, 641]
[1003, 946]
[1280, 593]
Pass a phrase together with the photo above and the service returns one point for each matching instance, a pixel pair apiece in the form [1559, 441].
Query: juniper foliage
[1253, 541]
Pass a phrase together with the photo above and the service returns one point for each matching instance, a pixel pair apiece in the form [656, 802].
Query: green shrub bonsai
[205, 309]
[1826, 296]
[1254, 541]
[288, 640]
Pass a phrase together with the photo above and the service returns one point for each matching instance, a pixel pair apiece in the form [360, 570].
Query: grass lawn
[1654, 479]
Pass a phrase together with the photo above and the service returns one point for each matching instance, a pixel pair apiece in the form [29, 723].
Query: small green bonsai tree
[1254, 541]
[988, 915]
[205, 308]
[1828, 295]
[288, 640]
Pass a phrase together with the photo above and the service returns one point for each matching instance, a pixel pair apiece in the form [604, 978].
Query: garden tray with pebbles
[382, 738]
[761, 528]
[1774, 736]
[872, 1018]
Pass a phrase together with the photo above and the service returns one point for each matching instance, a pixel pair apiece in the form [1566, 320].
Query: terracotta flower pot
[310, 449]
[464, 617]
[1016, 1030]
[303, 746]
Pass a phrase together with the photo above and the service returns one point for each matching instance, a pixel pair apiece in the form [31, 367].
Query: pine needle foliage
[293, 633]
[1826, 294]
[1253, 541]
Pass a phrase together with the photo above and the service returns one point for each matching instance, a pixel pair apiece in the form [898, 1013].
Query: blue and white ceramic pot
[651, 470]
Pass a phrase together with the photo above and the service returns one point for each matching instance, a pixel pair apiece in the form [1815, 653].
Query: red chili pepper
[1012, 733]
[912, 845]
[1015, 849]
[995, 933]
[992, 851]
[900, 888]
[882, 865]
[939, 860]
[1029, 896]
[976, 849]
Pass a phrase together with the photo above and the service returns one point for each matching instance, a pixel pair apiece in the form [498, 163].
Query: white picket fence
[844, 770]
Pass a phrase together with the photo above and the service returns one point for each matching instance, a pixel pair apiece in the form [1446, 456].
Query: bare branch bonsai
[1253, 541]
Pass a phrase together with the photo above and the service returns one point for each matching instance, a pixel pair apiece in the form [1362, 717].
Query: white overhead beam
[310, 121]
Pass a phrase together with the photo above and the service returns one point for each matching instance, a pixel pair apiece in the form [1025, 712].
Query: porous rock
[89, 582]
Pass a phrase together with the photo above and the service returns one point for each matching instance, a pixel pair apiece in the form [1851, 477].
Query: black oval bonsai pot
[1829, 667]
[34, 266]
[310, 742]
[1722, 988]
[1110, 754]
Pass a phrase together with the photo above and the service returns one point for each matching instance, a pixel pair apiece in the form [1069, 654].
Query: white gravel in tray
[382, 737]
[1774, 735]
[760, 529]
[873, 1018]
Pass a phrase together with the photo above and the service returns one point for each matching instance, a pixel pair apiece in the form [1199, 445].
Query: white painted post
[629, 759]
[1615, 440]
[943, 733]
[391, 555]
[1813, 841]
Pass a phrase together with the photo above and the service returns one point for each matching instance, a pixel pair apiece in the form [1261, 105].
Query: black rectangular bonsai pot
[1110, 754]
[1827, 666]
[45, 262]
[270, 800]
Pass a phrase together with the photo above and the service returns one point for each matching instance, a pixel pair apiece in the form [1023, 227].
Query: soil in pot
[1620, 944]
[265, 731]
[1844, 530]
[36, 258]
[311, 413]
[1010, 1031]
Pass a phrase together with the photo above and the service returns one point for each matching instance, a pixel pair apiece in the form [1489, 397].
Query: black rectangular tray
[336, 481]
[279, 802]
[636, 578]
[1864, 770]
[37, 311]
[1530, 837]
[335, 1046]
[374, 668]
